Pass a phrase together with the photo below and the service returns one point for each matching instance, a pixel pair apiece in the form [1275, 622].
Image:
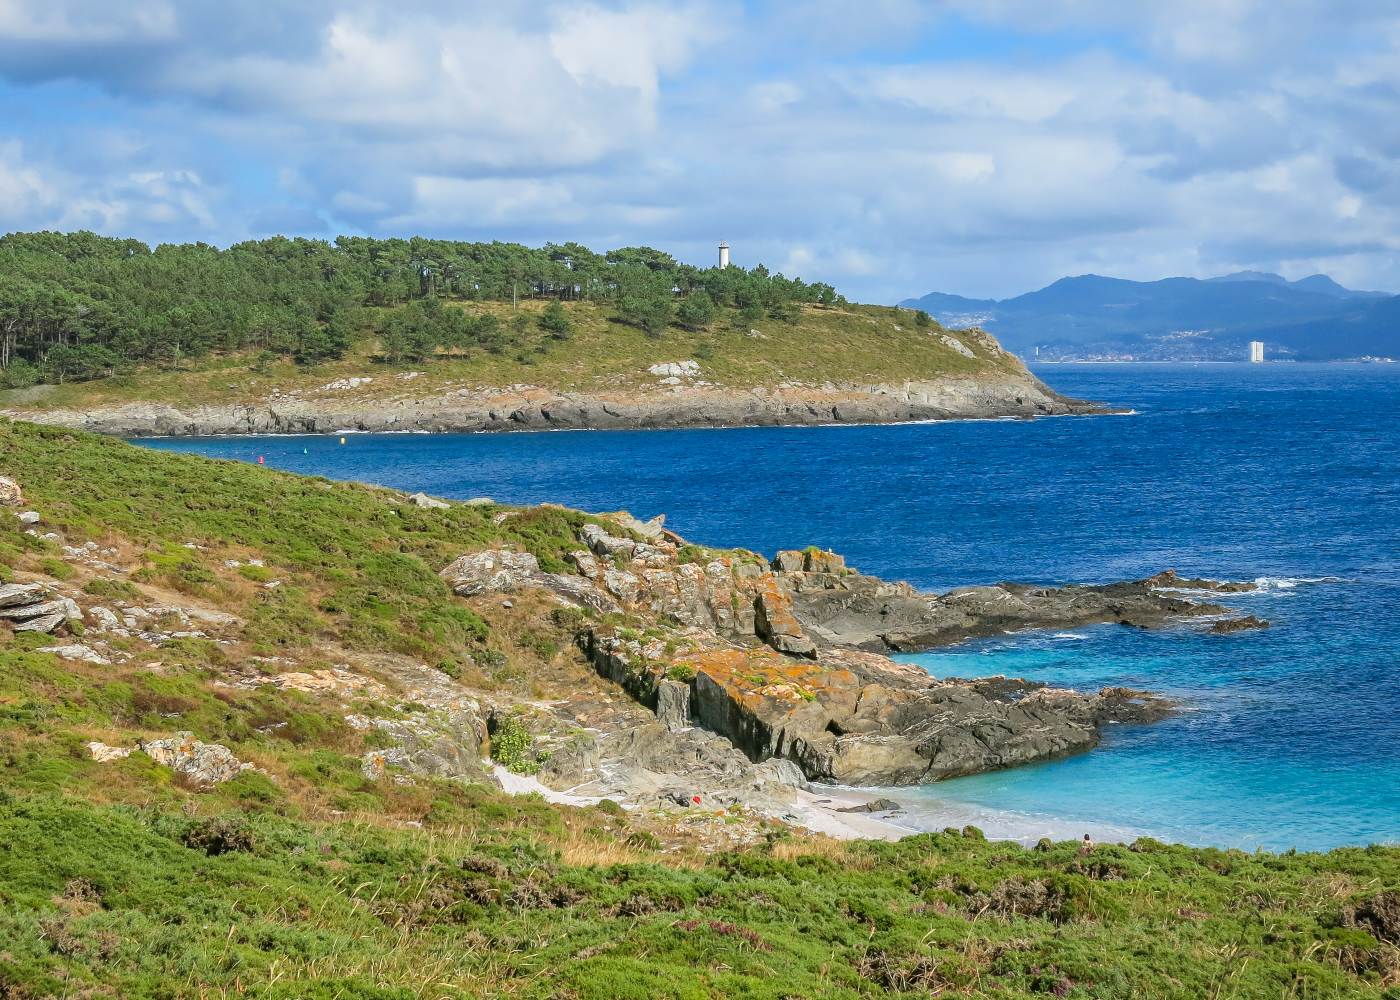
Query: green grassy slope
[862, 344]
[307, 880]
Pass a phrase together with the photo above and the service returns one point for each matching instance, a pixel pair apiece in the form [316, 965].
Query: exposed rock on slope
[34, 607]
[10, 493]
[780, 659]
[202, 763]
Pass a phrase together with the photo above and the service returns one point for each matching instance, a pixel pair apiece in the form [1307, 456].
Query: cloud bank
[891, 147]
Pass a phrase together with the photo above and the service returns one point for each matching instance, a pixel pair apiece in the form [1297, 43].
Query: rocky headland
[785, 659]
[688, 402]
[705, 676]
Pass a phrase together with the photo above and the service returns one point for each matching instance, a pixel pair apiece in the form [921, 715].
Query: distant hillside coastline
[1093, 318]
[519, 407]
[834, 365]
[303, 336]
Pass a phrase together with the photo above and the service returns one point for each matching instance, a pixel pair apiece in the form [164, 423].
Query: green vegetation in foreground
[310, 881]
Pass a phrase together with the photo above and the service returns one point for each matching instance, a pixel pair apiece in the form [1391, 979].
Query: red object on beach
[260, 460]
[695, 799]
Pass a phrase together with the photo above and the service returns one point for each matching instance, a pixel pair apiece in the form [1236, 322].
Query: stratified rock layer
[785, 660]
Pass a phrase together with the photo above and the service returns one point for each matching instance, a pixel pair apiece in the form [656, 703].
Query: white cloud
[20, 183]
[628, 48]
[1133, 139]
[76, 22]
[494, 201]
[969, 91]
[773, 96]
[42, 194]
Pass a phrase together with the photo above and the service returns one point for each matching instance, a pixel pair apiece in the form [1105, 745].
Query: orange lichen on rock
[774, 621]
[751, 675]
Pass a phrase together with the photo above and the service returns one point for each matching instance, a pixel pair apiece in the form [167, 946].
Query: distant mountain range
[1091, 317]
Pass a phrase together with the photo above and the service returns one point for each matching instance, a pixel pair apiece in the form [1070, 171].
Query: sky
[890, 147]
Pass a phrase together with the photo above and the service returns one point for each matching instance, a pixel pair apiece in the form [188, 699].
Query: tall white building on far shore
[1256, 351]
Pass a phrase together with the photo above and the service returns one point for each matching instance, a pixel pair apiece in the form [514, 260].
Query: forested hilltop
[304, 336]
[80, 306]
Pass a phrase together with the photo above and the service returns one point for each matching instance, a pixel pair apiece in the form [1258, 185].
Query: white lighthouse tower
[1256, 351]
[723, 254]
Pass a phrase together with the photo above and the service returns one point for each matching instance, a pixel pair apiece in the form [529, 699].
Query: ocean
[1288, 474]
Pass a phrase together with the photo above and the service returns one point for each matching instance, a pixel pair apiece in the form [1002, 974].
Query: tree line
[81, 306]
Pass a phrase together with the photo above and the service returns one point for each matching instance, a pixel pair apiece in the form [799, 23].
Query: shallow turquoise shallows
[1289, 474]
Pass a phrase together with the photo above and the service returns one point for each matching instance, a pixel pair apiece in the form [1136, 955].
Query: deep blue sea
[1287, 474]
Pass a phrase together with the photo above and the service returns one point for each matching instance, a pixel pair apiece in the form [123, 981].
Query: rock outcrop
[10, 493]
[35, 607]
[505, 572]
[845, 609]
[428, 503]
[859, 718]
[775, 623]
[784, 659]
[1229, 626]
[201, 763]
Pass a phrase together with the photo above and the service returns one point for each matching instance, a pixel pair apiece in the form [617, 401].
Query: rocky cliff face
[536, 408]
[783, 658]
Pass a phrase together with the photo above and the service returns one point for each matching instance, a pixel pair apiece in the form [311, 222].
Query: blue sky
[890, 147]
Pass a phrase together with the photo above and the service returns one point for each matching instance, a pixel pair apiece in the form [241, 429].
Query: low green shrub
[511, 743]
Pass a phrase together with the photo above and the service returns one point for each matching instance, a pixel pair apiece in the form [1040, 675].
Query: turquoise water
[1285, 473]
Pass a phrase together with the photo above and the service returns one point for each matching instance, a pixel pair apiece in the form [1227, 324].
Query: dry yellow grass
[854, 344]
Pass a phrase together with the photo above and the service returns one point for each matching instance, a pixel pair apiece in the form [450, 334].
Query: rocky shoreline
[780, 665]
[523, 407]
[718, 679]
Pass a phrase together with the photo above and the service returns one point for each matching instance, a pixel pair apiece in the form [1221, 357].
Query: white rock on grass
[429, 503]
[676, 369]
[14, 595]
[957, 345]
[44, 623]
[494, 571]
[104, 754]
[106, 618]
[29, 517]
[77, 651]
[26, 606]
[346, 383]
[202, 763]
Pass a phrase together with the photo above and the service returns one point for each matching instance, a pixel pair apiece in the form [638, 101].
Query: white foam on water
[1268, 583]
[1069, 636]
